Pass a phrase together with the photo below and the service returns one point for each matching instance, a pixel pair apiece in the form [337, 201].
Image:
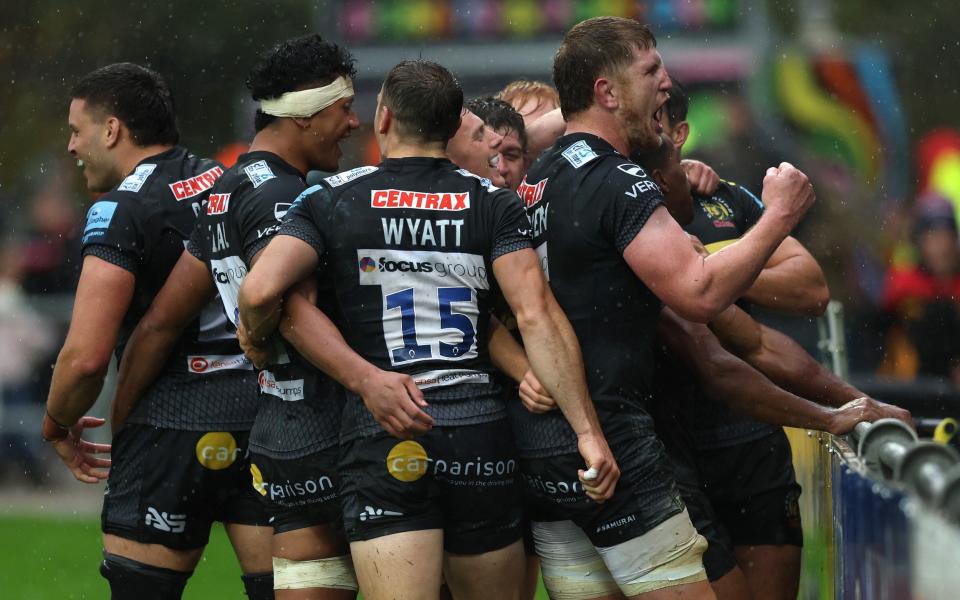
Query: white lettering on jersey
[579, 154]
[259, 173]
[218, 239]
[421, 232]
[430, 309]
[134, 181]
[348, 176]
[642, 186]
[538, 220]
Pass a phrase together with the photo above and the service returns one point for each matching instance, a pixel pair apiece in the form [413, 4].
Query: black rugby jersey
[586, 203]
[720, 220]
[410, 244]
[142, 226]
[299, 410]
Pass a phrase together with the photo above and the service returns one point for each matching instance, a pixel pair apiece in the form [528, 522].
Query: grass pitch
[58, 558]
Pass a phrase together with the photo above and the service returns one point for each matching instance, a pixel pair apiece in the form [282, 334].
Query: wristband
[51, 430]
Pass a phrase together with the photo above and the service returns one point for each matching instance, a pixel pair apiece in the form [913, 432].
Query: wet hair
[678, 104]
[499, 116]
[137, 96]
[425, 98]
[296, 64]
[652, 159]
[521, 91]
[602, 46]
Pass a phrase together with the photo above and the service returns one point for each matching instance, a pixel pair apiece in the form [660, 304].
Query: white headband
[307, 103]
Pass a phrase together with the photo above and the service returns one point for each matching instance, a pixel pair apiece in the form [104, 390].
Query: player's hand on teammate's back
[703, 180]
[260, 357]
[846, 417]
[533, 395]
[788, 192]
[78, 454]
[396, 403]
[599, 480]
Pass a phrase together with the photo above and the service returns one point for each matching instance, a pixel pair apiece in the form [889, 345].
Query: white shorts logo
[211, 363]
[291, 390]
[165, 521]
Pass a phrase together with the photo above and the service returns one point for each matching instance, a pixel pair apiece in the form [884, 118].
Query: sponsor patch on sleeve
[98, 219]
[134, 181]
[259, 173]
[579, 154]
[348, 176]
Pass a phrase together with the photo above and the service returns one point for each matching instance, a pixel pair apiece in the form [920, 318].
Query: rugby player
[411, 245]
[474, 148]
[501, 118]
[745, 466]
[613, 254]
[306, 96]
[192, 424]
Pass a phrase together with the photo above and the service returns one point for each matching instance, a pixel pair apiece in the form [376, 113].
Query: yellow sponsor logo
[258, 483]
[407, 461]
[217, 450]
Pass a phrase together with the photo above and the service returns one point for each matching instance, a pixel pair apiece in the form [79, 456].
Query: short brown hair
[519, 92]
[425, 98]
[594, 48]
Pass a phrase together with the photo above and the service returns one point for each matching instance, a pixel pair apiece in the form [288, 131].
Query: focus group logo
[408, 461]
[450, 264]
[217, 450]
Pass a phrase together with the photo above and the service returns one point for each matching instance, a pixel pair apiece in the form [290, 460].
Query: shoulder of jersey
[486, 183]
[735, 187]
[346, 178]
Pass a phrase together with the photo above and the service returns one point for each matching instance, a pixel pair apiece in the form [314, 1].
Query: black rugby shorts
[168, 486]
[461, 479]
[298, 493]
[754, 491]
[646, 494]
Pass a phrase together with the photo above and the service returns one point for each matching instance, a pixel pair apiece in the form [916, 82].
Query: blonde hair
[521, 91]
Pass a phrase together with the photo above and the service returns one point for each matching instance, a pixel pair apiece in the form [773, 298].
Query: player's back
[143, 224]
[410, 244]
[586, 202]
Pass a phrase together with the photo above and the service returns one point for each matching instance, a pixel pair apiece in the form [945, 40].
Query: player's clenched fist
[788, 192]
[600, 478]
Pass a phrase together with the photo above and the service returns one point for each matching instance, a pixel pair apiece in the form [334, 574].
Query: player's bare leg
[772, 571]
[496, 574]
[401, 566]
[732, 586]
[310, 544]
[154, 555]
[251, 543]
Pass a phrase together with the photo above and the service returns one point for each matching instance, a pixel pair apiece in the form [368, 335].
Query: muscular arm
[505, 353]
[104, 293]
[285, 261]
[187, 290]
[542, 133]
[393, 398]
[699, 288]
[732, 381]
[791, 281]
[554, 354]
[781, 359]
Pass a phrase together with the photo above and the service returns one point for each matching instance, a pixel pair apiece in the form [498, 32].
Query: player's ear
[680, 134]
[111, 132]
[301, 122]
[386, 120]
[605, 94]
